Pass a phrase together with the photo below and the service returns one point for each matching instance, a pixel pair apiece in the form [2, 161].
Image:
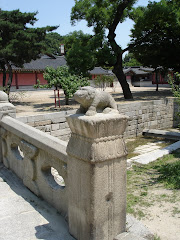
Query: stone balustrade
[54, 124]
[84, 179]
[34, 156]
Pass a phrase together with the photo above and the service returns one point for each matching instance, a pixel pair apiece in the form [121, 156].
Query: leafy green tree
[156, 35]
[103, 81]
[52, 41]
[130, 61]
[174, 83]
[62, 78]
[80, 55]
[18, 42]
[104, 16]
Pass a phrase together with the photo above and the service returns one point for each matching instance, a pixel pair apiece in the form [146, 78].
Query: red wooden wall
[24, 79]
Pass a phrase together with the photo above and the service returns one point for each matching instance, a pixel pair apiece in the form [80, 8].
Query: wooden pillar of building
[16, 80]
[36, 77]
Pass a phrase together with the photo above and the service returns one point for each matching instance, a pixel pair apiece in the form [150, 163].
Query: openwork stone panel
[42, 168]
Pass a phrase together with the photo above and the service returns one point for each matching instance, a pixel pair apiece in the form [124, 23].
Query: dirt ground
[160, 218]
[39, 101]
[163, 217]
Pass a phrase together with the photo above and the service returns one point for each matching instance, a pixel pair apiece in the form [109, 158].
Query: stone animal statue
[92, 101]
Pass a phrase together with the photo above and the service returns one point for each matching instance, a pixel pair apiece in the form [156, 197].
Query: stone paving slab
[23, 216]
[148, 147]
[154, 155]
[128, 236]
[135, 231]
[162, 133]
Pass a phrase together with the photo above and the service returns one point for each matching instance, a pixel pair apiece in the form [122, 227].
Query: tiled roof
[54, 61]
[138, 70]
[99, 71]
[42, 63]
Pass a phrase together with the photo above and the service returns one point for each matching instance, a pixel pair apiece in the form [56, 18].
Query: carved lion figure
[92, 101]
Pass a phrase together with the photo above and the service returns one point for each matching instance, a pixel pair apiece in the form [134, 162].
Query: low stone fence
[54, 124]
[33, 155]
[157, 114]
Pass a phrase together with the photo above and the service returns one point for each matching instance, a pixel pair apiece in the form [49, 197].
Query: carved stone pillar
[6, 108]
[97, 176]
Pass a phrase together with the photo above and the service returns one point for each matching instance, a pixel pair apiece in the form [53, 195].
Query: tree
[174, 83]
[18, 42]
[103, 81]
[62, 78]
[52, 41]
[80, 55]
[130, 61]
[104, 16]
[156, 35]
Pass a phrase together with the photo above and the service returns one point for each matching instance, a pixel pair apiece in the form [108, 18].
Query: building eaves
[99, 71]
[41, 63]
[138, 70]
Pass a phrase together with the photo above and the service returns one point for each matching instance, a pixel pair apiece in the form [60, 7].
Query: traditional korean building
[144, 76]
[31, 72]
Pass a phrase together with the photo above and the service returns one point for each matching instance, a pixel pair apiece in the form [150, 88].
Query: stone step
[128, 236]
[162, 133]
[154, 155]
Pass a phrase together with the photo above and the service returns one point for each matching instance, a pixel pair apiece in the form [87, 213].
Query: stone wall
[51, 123]
[156, 114]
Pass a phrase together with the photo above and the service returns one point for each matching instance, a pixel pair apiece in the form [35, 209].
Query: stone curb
[154, 155]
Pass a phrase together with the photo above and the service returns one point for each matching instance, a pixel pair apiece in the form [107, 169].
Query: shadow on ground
[24, 219]
[144, 95]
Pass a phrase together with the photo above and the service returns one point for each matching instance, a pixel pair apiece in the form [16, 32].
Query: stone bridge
[84, 178]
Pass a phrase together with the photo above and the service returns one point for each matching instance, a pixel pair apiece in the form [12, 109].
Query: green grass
[175, 211]
[170, 175]
[156, 238]
[143, 179]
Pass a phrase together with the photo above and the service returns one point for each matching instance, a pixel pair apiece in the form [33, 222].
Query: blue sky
[57, 12]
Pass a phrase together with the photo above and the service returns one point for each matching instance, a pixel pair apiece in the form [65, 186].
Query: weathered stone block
[59, 120]
[97, 176]
[31, 124]
[55, 126]
[63, 125]
[42, 123]
[48, 128]
[60, 132]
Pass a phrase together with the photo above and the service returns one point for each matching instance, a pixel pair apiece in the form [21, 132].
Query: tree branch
[118, 16]
[119, 13]
[139, 41]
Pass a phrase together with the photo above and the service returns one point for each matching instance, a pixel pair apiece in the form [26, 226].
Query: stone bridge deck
[23, 216]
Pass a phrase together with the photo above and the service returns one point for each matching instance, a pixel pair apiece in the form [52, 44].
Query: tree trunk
[66, 100]
[4, 76]
[118, 66]
[118, 71]
[157, 84]
[8, 86]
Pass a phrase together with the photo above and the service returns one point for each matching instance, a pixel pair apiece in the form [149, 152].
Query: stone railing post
[97, 176]
[6, 108]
